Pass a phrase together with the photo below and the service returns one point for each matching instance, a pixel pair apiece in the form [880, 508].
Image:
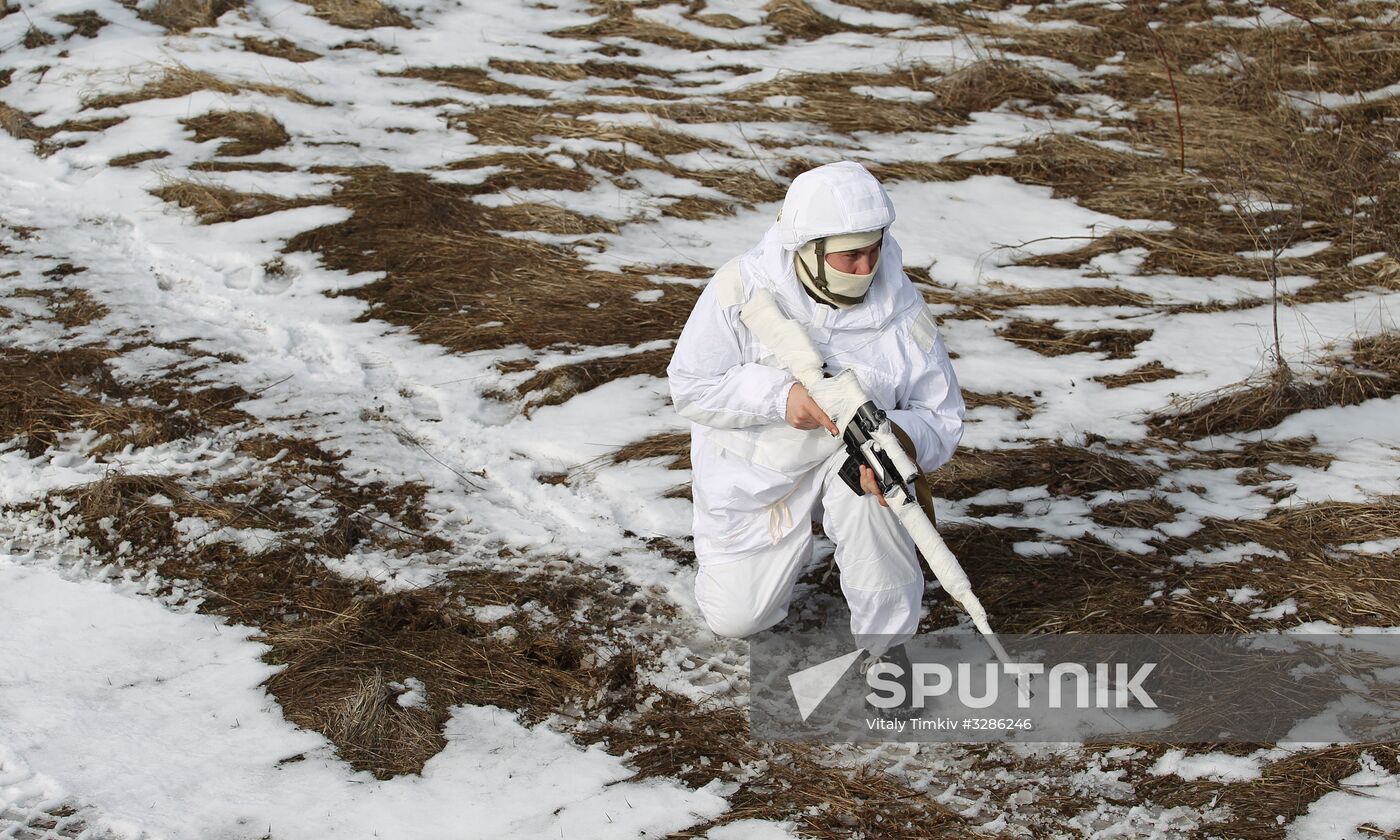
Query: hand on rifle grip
[870, 485]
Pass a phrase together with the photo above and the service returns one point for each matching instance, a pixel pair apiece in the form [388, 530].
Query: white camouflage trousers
[880, 574]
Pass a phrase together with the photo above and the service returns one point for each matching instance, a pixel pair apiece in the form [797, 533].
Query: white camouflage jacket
[723, 380]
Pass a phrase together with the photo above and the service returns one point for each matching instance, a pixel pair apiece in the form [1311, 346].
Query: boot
[899, 658]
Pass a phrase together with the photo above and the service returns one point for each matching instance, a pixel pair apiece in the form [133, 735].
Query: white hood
[829, 200]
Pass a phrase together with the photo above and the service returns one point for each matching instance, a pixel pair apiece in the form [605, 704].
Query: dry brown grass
[1136, 513]
[796, 19]
[20, 126]
[1369, 369]
[516, 125]
[826, 99]
[214, 204]
[1024, 406]
[917, 171]
[49, 394]
[85, 23]
[69, 306]
[137, 157]
[1258, 455]
[473, 79]
[1153, 371]
[341, 642]
[1264, 808]
[1047, 339]
[359, 14]
[248, 132]
[574, 72]
[179, 81]
[989, 305]
[983, 85]
[524, 171]
[1063, 470]
[547, 218]
[340, 662]
[676, 738]
[36, 38]
[447, 274]
[619, 22]
[557, 385]
[674, 446]
[1239, 135]
[279, 48]
[1090, 587]
[240, 166]
[183, 15]
[1311, 534]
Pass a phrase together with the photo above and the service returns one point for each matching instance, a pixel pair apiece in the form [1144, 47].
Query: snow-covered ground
[129, 712]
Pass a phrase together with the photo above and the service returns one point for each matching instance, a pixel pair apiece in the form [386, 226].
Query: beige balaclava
[826, 283]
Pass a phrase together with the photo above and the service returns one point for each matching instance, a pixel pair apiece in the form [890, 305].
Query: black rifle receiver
[859, 432]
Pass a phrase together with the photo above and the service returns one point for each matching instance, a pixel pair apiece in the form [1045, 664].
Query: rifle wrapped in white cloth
[869, 439]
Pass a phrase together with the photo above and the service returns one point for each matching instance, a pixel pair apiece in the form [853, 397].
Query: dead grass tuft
[36, 38]
[1259, 455]
[1369, 369]
[473, 79]
[180, 81]
[240, 166]
[620, 23]
[575, 72]
[218, 204]
[523, 171]
[1062, 470]
[1153, 371]
[557, 385]
[515, 125]
[137, 157]
[985, 84]
[183, 15]
[86, 23]
[279, 48]
[1047, 339]
[71, 307]
[794, 19]
[547, 218]
[249, 132]
[988, 306]
[359, 14]
[694, 208]
[1023, 406]
[1136, 513]
[919, 171]
[674, 446]
[20, 126]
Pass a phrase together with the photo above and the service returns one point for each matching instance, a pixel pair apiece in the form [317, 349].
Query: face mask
[828, 284]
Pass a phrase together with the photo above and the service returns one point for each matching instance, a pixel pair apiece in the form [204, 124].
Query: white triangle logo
[811, 685]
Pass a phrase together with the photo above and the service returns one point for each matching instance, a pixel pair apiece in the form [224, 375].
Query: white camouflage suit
[758, 482]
